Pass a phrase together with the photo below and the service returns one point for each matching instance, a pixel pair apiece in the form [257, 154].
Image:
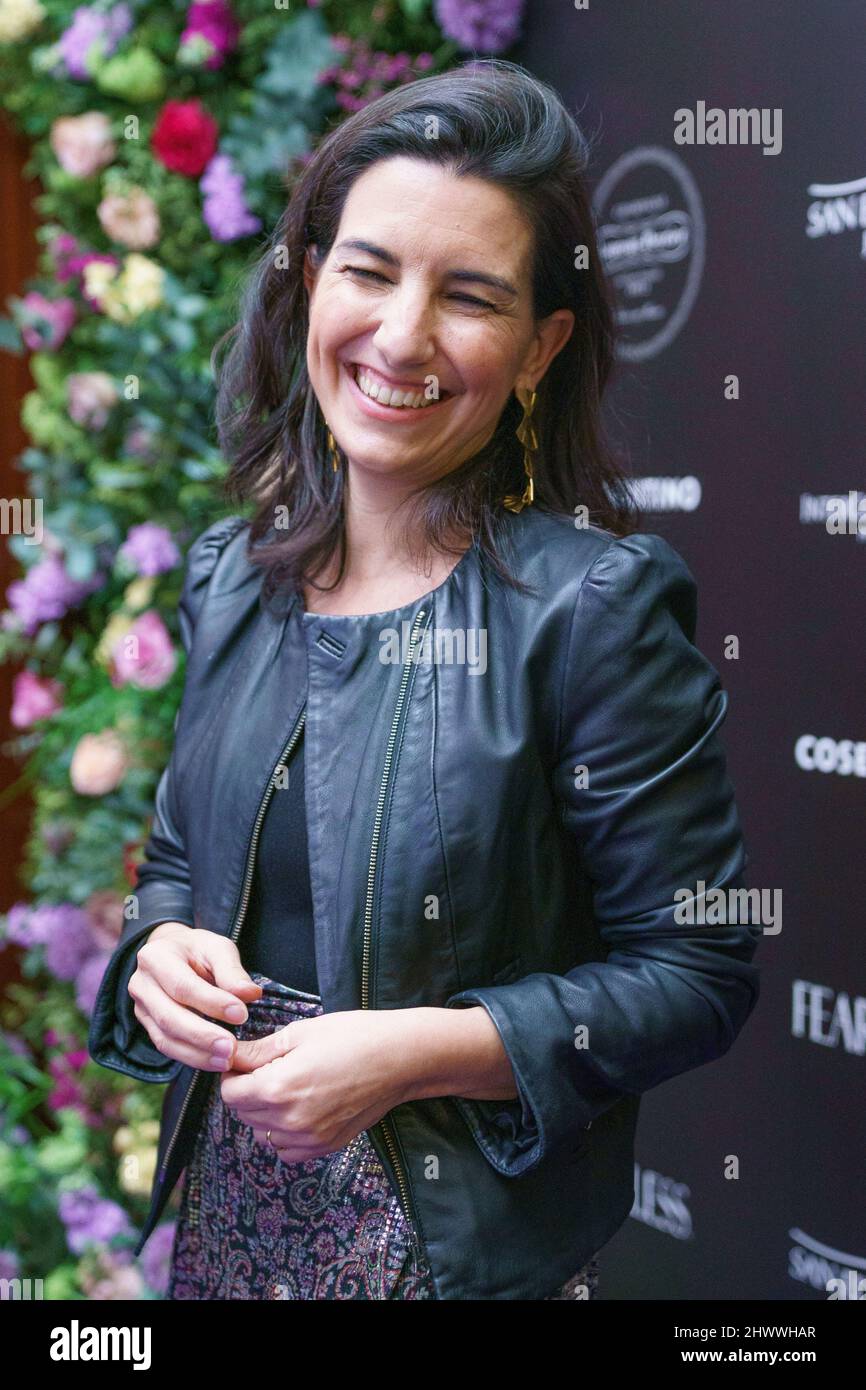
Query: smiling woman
[440, 898]
[419, 301]
[413, 333]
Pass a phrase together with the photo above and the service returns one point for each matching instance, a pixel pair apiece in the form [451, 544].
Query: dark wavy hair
[496, 122]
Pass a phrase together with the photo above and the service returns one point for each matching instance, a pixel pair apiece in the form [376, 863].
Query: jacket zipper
[385, 1124]
[242, 908]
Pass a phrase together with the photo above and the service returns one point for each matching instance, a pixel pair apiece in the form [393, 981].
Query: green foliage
[151, 456]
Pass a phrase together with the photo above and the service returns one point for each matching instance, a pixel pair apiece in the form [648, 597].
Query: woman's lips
[392, 413]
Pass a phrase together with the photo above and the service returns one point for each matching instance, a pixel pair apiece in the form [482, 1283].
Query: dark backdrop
[729, 261]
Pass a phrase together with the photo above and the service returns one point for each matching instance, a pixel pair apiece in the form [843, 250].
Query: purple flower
[225, 209]
[89, 979]
[62, 248]
[28, 925]
[156, 1257]
[16, 1045]
[68, 939]
[22, 925]
[486, 25]
[92, 35]
[150, 549]
[9, 1264]
[91, 1218]
[47, 592]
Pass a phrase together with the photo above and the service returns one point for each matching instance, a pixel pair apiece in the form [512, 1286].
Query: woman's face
[437, 301]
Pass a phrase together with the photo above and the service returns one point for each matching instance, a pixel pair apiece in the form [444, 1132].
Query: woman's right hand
[185, 976]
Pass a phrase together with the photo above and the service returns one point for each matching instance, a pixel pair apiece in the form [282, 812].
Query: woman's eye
[371, 274]
[376, 275]
[470, 299]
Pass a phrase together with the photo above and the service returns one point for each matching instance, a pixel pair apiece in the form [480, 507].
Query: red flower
[131, 860]
[184, 138]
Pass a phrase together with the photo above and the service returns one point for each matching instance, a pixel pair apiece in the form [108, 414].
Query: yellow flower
[137, 1146]
[141, 284]
[114, 631]
[138, 593]
[136, 1169]
[99, 281]
[137, 288]
[18, 19]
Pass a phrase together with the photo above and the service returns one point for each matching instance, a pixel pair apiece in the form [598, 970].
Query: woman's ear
[551, 336]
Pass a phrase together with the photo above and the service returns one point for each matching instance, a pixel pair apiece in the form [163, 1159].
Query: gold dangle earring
[332, 450]
[528, 438]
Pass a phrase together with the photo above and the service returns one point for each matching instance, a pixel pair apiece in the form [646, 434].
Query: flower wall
[165, 138]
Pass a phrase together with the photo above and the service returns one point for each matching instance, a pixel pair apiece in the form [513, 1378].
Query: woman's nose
[406, 332]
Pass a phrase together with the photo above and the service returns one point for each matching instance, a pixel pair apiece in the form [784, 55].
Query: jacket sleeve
[655, 813]
[163, 892]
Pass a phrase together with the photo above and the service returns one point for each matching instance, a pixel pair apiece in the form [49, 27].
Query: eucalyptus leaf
[150, 344]
[46, 636]
[117, 477]
[191, 306]
[198, 470]
[79, 560]
[181, 335]
[25, 554]
[10, 337]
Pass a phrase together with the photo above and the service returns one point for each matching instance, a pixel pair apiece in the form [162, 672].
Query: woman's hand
[319, 1082]
[185, 976]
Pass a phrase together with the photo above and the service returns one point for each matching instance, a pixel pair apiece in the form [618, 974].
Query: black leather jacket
[509, 830]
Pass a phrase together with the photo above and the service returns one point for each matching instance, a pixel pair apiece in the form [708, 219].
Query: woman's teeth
[416, 400]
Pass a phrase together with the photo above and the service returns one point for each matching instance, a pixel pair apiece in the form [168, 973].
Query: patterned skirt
[253, 1227]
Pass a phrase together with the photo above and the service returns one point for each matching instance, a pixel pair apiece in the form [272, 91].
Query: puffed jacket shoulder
[640, 779]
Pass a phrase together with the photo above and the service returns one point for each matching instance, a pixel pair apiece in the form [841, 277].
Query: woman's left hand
[318, 1082]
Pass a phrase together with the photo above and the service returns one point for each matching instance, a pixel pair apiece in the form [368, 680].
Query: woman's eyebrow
[478, 277]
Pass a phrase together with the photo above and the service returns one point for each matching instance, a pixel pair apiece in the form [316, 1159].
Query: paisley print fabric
[253, 1227]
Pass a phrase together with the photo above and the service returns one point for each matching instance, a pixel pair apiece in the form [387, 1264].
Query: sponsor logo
[836, 208]
[840, 1275]
[652, 238]
[822, 1016]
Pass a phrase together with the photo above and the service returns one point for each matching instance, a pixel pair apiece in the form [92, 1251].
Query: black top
[277, 938]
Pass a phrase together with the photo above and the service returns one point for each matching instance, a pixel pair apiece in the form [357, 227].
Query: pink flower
[105, 910]
[45, 323]
[211, 33]
[61, 248]
[33, 697]
[67, 1091]
[99, 763]
[83, 144]
[131, 218]
[91, 396]
[144, 655]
